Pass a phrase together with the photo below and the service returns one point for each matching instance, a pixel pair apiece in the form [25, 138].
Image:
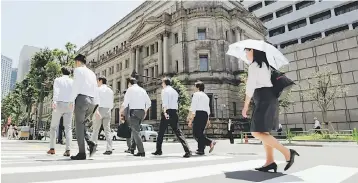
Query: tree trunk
[324, 116]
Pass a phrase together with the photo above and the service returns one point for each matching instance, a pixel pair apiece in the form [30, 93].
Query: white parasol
[275, 58]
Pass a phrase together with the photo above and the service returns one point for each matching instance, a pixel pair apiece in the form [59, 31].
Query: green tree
[65, 57]
[324, 88]
[184, 98]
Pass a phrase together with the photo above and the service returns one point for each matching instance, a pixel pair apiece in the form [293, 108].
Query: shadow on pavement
[256, 176]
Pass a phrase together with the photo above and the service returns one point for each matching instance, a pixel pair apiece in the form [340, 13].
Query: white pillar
[123, 83]
[235, 64]
[286, 28]
[137, 59]
[350, 26]
[323, 34]
[332, 13]
[308, 21]
[132, 61]
[160, 55]
[165, 52]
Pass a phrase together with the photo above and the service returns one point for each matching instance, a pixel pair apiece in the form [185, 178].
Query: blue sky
[53, 23]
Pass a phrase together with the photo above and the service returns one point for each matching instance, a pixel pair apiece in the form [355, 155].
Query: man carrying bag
[125, 132]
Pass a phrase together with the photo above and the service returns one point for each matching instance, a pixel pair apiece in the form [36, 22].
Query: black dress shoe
[187, 155]
[107, 153]
[92, 148]
[140, 154]
[293, 153]
[272, 166]
[79, 156]
[127, 151]
[199, 153]
[157, 153]
[132, 151]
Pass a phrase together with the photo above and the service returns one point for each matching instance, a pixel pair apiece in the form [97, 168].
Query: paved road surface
[25, 162]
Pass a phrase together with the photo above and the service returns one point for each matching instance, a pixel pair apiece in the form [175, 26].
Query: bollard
[355, 134]
[246, 139]
[241, 136]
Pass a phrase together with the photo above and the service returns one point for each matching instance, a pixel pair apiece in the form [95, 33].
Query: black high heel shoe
[272, 166]
[293, 153]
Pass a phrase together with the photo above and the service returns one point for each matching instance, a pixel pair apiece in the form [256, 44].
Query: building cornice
[139, 8]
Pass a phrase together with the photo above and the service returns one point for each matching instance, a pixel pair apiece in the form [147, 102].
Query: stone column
[350, 26]
[165, 52]
[132, 61]
[155, 71]
[123, 83]
[137, 59]
[160, 55]
[235, 65]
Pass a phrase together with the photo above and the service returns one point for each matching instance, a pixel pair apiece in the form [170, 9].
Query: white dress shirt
[200, 102]
[137, 98]
[317, 124]
[62, 88]
[85, 83]
[105, 96]
[170, 98]
[257, 78]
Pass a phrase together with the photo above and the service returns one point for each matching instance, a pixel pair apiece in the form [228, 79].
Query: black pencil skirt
[266, 110]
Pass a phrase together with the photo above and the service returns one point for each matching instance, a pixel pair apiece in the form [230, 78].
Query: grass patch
[333, 137]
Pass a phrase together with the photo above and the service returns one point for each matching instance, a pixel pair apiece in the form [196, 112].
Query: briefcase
[123, 130]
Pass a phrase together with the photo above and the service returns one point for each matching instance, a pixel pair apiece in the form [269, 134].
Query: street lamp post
[216, 106]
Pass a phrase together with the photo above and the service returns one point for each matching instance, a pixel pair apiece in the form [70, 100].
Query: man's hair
[103, 79]
[66, 71]
[167, 81]
[132, 80]
[200, 85]
[80, 58]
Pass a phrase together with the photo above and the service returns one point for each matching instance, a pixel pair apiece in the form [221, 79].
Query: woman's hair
[260, 57]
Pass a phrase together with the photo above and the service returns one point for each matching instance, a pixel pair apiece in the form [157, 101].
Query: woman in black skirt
[266, 109]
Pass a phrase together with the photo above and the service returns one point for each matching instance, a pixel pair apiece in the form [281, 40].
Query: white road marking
[142, 162]
[165, 176]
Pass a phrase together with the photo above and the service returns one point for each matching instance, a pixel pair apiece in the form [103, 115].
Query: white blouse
[257, 78]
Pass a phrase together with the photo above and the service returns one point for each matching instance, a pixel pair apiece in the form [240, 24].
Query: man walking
[199, 118]
[105, 107]
[130, 142]
[62, 88]
[138, 101]
[85, 96]
[170, 116]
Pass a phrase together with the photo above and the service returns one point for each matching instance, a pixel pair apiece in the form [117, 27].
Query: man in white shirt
[138, 101]
[317, 125]
[85, 97]
[105, 107]
[199, 118]
[62, 88]
[170, 116]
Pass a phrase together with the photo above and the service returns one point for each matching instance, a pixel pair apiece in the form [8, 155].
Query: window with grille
[277, 31]
[267, 18]
[298, 24]
[202, 34]
[311, 37]
[320, 17]
[336, 30]
[284, 11]
[255, 7]
[304, 4]
[204, 62]
[284, 45]
[346, 8]
[176, 38]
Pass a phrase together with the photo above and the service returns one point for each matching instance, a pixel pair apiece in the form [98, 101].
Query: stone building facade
[188, 39]
[339, 53]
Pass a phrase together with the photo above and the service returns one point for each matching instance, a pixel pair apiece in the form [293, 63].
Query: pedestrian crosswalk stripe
[321, 173]
[142, 162]
[165, 176]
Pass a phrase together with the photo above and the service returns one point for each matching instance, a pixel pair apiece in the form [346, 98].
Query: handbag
[123, 130]
[281, 83]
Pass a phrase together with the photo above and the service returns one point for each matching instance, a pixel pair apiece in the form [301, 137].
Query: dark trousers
[173, 121]
[84, 107]
[318, 131]
[231, 137]
[199, 124]
[61, 128]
